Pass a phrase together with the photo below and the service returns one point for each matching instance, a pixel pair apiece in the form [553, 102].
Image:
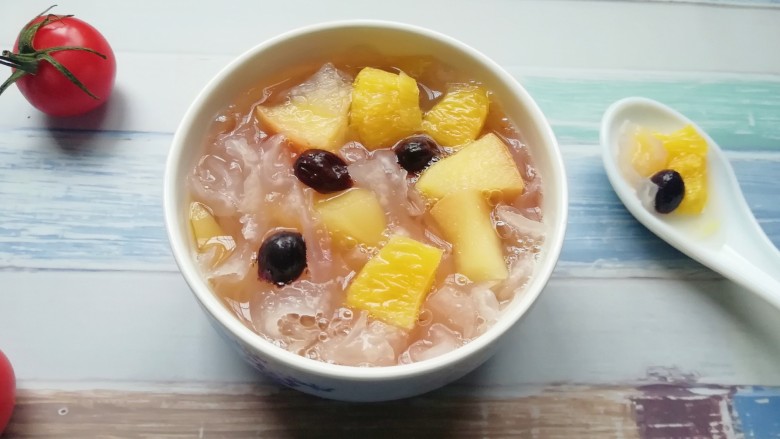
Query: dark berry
[415, 153]
[322, 171]
[282, 257]
[671, 190]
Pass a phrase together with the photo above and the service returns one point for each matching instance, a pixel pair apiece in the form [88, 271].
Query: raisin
[322, 171]
[415, 153]
[671, 190]
[282, 257]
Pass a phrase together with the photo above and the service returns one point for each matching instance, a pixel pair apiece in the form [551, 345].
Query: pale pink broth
[245, 177]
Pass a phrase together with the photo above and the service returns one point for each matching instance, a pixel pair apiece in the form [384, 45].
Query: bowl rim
[213, 306]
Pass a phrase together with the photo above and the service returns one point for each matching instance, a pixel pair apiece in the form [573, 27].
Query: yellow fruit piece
[464, 220]
[648, 155]
[688, 156]
[684, 151]
[354, 215]
[315, 114]
[458, 118]
[684, 141]
[394, 283]
[385, 107]
[693, 170]
[209, 234]
[484, 165]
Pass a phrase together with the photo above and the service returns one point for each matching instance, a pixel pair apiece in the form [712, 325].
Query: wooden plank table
[629, 339]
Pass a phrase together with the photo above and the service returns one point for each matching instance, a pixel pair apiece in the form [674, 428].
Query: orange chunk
[385, 107]
[684, 151]
[394, 283]
[693, 170]
[648, 155]
[684, 141]
[458, 118]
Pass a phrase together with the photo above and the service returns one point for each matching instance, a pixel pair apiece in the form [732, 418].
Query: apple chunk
[484, 165]
[354, 215]
[464, 219]
[209, 236]
[316, 112]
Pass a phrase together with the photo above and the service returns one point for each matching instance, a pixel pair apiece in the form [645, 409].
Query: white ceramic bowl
[295, 48]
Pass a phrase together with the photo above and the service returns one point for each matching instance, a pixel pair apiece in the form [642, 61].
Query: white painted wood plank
[145, 98]
[132, 330]
[553, 33]
[168, 50]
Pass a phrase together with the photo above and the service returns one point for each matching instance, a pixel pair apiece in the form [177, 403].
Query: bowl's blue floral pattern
[262, 365]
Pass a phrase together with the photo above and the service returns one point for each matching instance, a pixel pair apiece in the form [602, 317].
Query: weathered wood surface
[98, 201]
[90, 297]
[665, 410]
[269, 412]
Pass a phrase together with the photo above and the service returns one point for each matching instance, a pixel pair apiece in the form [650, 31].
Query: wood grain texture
[741, 113]
[124, 330]
[97, 202]
[660, 411]
[565, 412]
[759, 412]
[90, 297]
[550, 33]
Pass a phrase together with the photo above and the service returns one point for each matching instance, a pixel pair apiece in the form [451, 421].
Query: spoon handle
[741, 270]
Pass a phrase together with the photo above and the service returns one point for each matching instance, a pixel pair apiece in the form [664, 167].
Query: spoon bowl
[725, 236]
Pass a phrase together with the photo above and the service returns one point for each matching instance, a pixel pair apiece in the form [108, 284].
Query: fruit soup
[366, 211]
[667, 170]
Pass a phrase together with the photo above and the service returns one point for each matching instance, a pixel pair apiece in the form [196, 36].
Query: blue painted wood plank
[82, 200]
[92, 199]
[99, 207]
[757, 410]
[688, 410]
[738, 114]
[602, 233]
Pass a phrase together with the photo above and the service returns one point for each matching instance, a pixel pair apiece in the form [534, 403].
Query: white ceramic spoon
[725, 236]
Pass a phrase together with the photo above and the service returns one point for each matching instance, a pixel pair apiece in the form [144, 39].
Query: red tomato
[48, 89]
[7, 391]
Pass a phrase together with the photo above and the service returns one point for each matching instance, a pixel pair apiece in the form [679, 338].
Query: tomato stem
[47, 10]
[27, 60]
[19, 62]
[11, 64]
[14, 77]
